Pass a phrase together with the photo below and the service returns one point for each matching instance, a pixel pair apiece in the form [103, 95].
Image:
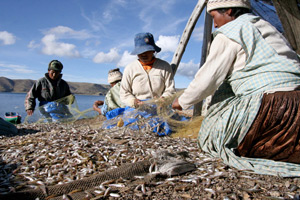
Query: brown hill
[24, 85]
[88, 88]
[6, 85]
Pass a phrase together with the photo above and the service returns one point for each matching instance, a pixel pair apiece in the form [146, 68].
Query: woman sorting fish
[147, 77]
[253, 74]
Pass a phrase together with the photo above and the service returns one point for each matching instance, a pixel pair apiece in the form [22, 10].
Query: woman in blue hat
[147, 77]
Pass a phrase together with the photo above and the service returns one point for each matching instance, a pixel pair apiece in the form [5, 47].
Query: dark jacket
[47, 90]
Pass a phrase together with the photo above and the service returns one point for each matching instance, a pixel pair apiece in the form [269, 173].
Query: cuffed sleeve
[213, 72]
[30, 102]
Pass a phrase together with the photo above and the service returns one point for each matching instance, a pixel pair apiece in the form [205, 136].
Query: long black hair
[236, 12]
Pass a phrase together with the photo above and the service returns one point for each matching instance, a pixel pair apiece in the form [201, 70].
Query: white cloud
[88, 52]
[105, 15]
[112, 10]
[165, 56]
[126, 59]
[168, 43]
[13, 69]
[53, 47]
[198, 33]
[7, 38]
[95, 21]
[66, 32]
[155, 8]
[32, 44]
[111, 57]
[165, 5]
[173, 27]
[188, 69]
[52, 43]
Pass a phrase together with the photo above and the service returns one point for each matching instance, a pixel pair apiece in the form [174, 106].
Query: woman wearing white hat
[254, 120]
[147, 77]
[112, 98]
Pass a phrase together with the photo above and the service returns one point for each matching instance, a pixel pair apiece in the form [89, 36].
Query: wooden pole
[289, 15]
[206, 38]
[187, 34]
[205, 48]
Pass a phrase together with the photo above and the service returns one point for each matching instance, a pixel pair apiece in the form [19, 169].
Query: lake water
[14, 102]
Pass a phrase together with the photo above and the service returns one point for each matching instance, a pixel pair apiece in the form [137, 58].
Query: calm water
[14, 102]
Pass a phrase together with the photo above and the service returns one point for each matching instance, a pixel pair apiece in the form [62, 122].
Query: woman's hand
[176, 105]
[96, 105]
[138, 102]
[29, 112]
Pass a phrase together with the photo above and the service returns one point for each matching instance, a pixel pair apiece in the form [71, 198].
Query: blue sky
[90, 37]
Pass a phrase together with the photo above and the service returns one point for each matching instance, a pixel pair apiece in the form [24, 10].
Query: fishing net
[77, 190]
[62, 110]
[156, 115]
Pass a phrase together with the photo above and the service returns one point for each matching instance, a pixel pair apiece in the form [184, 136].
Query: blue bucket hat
[144, 42]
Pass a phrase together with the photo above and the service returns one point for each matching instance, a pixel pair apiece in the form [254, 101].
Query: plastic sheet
[62, 110]
[147, 116]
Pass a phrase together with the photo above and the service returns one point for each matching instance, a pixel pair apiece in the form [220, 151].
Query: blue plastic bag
[54, 111]
[131, 115]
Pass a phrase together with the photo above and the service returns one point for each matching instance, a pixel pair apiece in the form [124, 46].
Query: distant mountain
[24, 85]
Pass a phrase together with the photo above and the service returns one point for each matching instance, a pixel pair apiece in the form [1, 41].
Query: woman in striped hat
[112, 98]
[253, 74]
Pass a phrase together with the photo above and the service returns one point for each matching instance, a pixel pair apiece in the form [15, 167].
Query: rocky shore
[43, 155]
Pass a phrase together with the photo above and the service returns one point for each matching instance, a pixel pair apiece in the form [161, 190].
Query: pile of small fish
[51, 154]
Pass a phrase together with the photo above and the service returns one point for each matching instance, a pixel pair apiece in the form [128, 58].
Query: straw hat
[216, 4]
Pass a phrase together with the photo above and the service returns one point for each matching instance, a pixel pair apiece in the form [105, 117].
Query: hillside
[24, 85]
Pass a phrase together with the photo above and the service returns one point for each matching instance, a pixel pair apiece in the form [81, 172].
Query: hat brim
[141, 49]
[234, 4]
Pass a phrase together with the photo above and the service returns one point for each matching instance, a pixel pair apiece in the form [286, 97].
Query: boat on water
[12, 117]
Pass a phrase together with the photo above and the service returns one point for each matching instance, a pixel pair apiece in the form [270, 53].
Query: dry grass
[188, 129]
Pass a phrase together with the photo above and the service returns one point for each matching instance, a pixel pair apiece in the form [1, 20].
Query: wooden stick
[289, 15]
[205, 48]
[187, 34]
